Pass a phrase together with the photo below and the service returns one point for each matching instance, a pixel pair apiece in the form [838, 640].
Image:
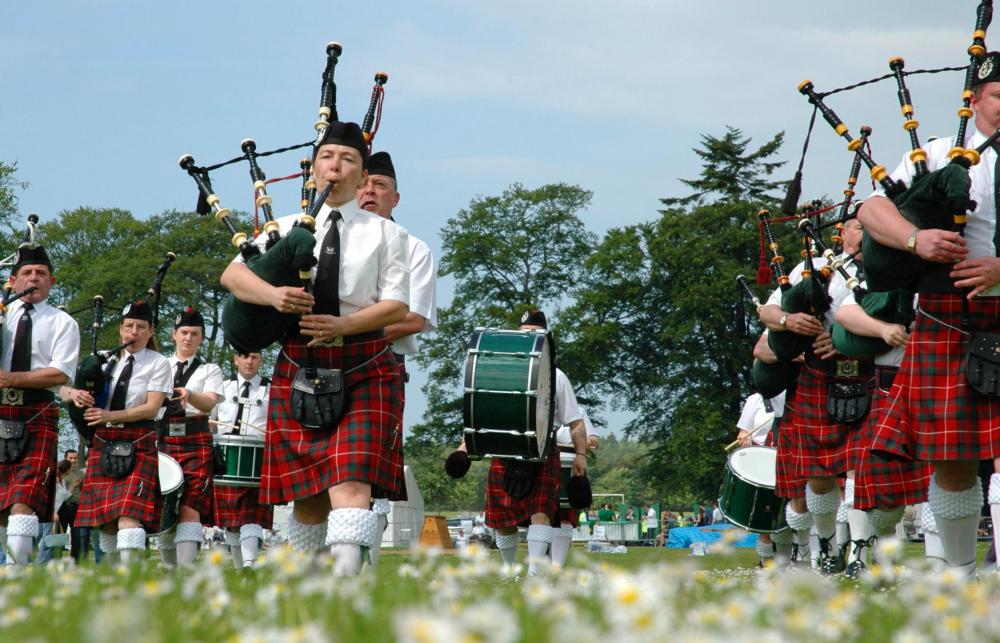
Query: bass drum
[747, 496]
[171, 487]
[509, 398]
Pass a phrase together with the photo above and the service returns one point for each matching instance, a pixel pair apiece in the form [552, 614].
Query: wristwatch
[911, 243]
[783, 322]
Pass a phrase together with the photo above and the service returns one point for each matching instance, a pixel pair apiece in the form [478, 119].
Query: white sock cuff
[822, 503]
[540, 533]
[885, 520]
[131, 538]
[22, 525]
[253, 530]
[955, 505]
[764, 550]
[232, 538]
[190, 532]
[798, 521]
[303, 537]
[564, 531]
[783, 537]
[109, 543]
[849, 492]
[927, 520]
[381, 506]
[350, 525]
[842, 512]
[507, 541]
[994, 494]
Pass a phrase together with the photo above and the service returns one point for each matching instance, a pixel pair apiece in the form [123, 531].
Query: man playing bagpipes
[943, 406]
[41, 345]
[333, 446]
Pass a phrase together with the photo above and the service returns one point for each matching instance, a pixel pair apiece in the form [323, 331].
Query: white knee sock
[348, 530]
[232, 540]
[109, 545]
[814, 548]
[539, 539]
[800, 524]
[933, 550]
[304, 537]
[250, 537]
[782, 546]
[507, 544]
[22, 529]
[823, 507]
[884, 521]
[765, 550]
[131, 542]
[861, 530]
[168, 548]
[189, 538]
[957, 517]
[562, 538]
[994, 500]
[376, 548]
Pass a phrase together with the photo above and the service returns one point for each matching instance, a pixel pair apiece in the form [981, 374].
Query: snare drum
[747, 496]
[171, 487]
[509, 394]
[244, 457]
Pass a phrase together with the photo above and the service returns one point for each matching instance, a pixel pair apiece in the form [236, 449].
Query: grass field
[648, 594]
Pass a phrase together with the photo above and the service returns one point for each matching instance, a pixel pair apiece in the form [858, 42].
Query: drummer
[361, 287]
[536, 507]
[184, 434]
[243, 411]
[120, 497]
[567, 519]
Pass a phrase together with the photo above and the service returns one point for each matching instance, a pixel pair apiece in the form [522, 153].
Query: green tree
[9, 186]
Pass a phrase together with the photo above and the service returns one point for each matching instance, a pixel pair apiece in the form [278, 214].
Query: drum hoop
[744, 478]
[234, 439]
[170, 463]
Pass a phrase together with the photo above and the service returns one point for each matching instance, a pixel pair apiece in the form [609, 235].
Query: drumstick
[735, 443]
[234, 426]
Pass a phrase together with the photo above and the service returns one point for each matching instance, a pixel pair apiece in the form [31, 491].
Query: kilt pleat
[504, 511]
[787, 483]
[32, 479]
[238, 506]
[105, 499]
[367, 445]
[932, 413]
[194, 454]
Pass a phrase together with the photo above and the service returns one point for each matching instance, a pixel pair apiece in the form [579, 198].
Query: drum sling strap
[767, 404]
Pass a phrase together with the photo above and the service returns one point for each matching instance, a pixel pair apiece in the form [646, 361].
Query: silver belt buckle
[848, 368]
[176, 429]
[13, 396]
[114, 425]
[334, 342]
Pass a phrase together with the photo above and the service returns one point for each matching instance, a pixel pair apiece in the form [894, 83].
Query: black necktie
[239, 407]
[20, 360]
[174, 408]
[996, 200]
[121, 386]
[327, 290]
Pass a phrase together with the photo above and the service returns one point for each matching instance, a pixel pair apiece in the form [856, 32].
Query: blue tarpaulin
[682, 537]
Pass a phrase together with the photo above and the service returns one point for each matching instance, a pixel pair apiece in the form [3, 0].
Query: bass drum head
[755, 465]
[170, 473]
[545, 402]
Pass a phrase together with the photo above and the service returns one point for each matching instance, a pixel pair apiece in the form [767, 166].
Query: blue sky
[100, 98]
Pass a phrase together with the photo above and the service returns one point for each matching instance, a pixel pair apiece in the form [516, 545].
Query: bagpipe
[251, 327]
[936, 199]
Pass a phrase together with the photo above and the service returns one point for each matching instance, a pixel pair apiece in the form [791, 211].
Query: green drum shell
[244, 460]
[171, 492]
[508, 403]
[750, 505]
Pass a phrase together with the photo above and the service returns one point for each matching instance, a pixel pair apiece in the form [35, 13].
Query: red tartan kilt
[820, 446]
[787, 483]
[504, 511]
[194, 454]
[932, 414]
[238, 506]
[884, 483]
[32, 479]
[367, 446]
[105, 499]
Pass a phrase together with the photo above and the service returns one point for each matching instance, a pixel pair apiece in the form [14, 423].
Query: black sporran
[13, 441]
[117, 458]
[847, 402]
[318, 402]
[219, 465]
[982, 362]
[519, 477]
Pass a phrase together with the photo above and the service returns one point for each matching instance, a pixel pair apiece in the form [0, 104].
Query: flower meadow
[426, 596]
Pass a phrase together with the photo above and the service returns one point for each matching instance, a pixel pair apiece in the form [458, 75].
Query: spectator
[73, 480]
[630, 514]
[605, 514]
[652, 522]
[717, 517]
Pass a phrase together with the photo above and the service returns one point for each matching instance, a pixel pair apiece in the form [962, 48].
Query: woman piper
[184, 434]
[121, 488]
[361, 286]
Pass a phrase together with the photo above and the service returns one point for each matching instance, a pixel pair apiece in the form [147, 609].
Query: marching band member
[243, 411]
[562, 535]
[933, 414]
[40, 349]
[184, 434]
[380, 194]
[121, 493]
[361, 287]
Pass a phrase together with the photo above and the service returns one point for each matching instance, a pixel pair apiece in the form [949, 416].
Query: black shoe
[854, 569]
[829, 563]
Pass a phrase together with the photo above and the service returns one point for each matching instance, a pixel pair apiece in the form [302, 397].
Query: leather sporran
[982, 362]
[847, 402]
[519, 477]
[318, 402]
[117, 458]
[13, 441]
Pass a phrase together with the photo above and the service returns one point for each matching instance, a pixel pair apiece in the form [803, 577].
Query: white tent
[406, 518]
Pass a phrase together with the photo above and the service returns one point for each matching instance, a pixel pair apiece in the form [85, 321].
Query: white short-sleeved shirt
[150, 372]
[563, 437]
[55, 338]
[567, 410]
[254, 417]
[982, 221]
[651, 522]
[755, 415]
[423, 294]
[894, 355]
[207, 378]
[374, 259]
